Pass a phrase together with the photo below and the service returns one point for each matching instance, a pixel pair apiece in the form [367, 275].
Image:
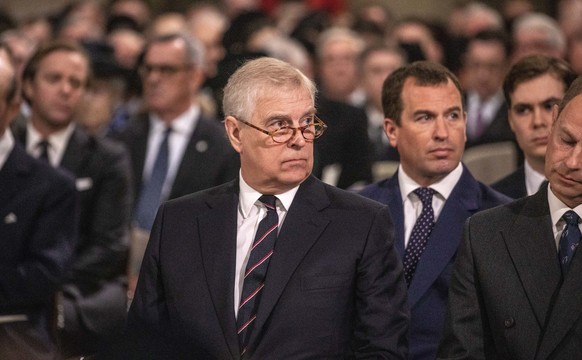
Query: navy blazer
[508, 298]
[38, 234]
[335, 287]
[428, 291]
[513, 185]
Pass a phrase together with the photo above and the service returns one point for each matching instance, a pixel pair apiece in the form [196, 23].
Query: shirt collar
[558, 208]
[443, 187]
[533, 179]
[249, 196]
[6, 146]
[183, 124]
[58, 140]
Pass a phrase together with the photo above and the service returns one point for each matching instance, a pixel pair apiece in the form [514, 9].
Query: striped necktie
[256, 271]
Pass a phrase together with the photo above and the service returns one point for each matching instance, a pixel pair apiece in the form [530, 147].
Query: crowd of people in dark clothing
[113, 109]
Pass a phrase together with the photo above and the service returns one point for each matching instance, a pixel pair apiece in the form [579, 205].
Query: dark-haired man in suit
[532, 87]
[515, 289]
[321, 279]
[432, 193]
[38, 233]
[94, 292]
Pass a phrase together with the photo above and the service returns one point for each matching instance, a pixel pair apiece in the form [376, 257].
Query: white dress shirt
[58, 142]
[412, 203]
[6, 146]
[182, 128]
[557, 209]
[533, 179]
[249, 214]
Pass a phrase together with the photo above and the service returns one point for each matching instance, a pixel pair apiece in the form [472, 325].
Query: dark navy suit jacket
[334, 289]
[513, 185]
[38, 234]
[428, 291]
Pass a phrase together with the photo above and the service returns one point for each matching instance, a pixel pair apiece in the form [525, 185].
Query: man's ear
[554, 114]
[233, 132]
[391, 130]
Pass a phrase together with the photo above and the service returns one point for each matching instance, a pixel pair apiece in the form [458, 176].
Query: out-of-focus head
[537, 34]
[171, 72]
[485, 62]
[54, 82]
[376, 62]
[9, 103]
[337, 53]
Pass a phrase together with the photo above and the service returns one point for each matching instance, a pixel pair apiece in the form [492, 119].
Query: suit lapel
[445, 237]
[301, 229]
[566, 311]
[530, 243]
[394, 201]
[76, 151]
[15, 167]
[218, 229]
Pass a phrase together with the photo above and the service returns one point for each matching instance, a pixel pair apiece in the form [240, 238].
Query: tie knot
[268, 201]
[43, 144]
[571, 218]
[425, 194]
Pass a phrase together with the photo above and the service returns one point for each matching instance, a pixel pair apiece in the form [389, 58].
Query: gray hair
[542, 22]
[194, 48]
[334, 34]
[260, 77]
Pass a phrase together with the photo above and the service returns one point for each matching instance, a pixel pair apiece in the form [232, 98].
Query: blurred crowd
[157, 78]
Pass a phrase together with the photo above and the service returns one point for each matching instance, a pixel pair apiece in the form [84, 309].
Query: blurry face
[338, 70]
[533, 42]
[485, 67]
[530, 116]
[376, 67]
[431, 136]
[57, 89]
[564, 154]
[269, 167]
[169, 81]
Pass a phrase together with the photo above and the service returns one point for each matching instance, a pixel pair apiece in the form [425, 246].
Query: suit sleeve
[464, 336]
[51, 239]
[148, 331]
[104, 250]
[381, 311]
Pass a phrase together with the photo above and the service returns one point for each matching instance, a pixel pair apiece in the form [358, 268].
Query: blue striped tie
[150, 196]
[256, 271]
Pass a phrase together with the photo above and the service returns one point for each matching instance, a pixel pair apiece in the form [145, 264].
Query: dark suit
[103, 180]
[427, 294]
[345, 142]
[498, 130]
[513, 185]
[208, 160]
[38, 233]
[334, 290]
[507, 299]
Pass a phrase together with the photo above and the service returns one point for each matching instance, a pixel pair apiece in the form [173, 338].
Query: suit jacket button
[509, 322]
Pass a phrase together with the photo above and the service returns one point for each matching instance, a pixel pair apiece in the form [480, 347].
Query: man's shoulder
[36, 173]
[512, 185]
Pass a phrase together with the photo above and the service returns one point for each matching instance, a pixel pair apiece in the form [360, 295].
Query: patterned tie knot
[571, 218]
[269, 201]
[425, 195]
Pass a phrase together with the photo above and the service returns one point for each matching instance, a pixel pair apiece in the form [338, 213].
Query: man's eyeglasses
[310, 132]
[164, 70]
